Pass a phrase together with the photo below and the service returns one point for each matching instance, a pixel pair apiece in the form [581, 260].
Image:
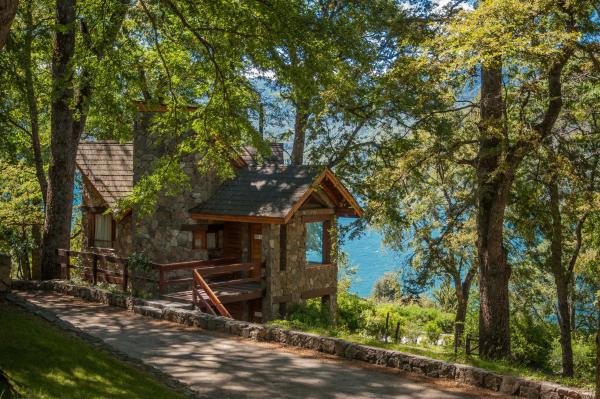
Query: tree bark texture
[561, 278]
[60, 173]
[8, 10]
[32, 103]
[462, 290]
[493, 187]
[300, 121]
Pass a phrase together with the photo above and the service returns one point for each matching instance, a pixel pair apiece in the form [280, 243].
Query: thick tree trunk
[8, 10]
[60, 174]
[493, 188]
[300, 120]
[561, 278]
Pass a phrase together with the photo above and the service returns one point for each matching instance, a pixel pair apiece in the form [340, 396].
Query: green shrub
[531, 341]
[584, 356]
[387, 288]
[433, 331]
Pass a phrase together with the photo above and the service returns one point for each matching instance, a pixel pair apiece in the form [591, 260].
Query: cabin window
[199, 240]
[318, 242]
[209, 239]
[103, 231]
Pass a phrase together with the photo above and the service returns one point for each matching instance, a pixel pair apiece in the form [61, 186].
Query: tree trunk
[459, 321]
[462, 290]
[60, 174]
[493, 188]
[36, 259]
[299, 134]
[32, 103]
[8, 10]
[561, 278]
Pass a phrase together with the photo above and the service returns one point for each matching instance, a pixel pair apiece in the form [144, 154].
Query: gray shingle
[108, 165]
[270, 191]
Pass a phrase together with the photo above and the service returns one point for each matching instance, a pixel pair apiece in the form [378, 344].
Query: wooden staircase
[215, 286]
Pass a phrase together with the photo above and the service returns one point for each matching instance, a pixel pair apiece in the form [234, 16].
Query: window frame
[326, 223]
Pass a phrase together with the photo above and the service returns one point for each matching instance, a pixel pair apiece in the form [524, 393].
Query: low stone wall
[468, 375]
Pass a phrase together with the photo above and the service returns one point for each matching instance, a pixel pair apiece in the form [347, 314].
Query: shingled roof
[108, 166]
[270, 193]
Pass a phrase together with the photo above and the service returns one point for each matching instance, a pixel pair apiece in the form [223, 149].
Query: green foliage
[531, 341]
[387, 288]
[584, 355]
[140, 269]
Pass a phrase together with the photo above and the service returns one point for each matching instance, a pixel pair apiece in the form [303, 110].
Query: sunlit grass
[43, 362]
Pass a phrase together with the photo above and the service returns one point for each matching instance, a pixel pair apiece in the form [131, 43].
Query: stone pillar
[329, 302]
[4, 273]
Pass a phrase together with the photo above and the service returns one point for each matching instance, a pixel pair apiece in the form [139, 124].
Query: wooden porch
[222, 287]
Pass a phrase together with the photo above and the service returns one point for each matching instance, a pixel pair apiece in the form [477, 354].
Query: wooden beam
[194, 227]
[238, 218]
[225, 269]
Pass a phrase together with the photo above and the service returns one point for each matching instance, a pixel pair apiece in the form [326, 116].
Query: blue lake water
[371, 259]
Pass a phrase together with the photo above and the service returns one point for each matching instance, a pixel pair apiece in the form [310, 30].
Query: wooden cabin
[249, 246]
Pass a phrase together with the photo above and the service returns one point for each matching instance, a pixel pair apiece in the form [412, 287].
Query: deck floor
[225, 293]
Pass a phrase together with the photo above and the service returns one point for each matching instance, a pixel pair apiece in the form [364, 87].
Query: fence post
[397, 331]
[468, 345]
[161, 279]
[68, 266]
[387, 323]
[94, 269]
[125, 275]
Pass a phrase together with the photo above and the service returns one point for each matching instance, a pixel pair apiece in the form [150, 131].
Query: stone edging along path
[508, 385]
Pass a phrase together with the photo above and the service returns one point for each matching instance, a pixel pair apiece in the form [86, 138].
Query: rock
[530, 389]
[340, 347]
[470, 375]
[510, 385]
[492, 381]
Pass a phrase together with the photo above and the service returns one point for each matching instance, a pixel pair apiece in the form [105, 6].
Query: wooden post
[68, 266]
[468, 345]
[161, 280]
[397, 331]
[387, 323]
[125, 276]
[94, 269]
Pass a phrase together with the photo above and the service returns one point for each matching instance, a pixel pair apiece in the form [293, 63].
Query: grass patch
[42, 361]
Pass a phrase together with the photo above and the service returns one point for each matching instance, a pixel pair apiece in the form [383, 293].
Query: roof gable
[108, 167]
[273, 194]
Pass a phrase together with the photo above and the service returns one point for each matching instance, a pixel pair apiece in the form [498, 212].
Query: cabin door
[255, 242]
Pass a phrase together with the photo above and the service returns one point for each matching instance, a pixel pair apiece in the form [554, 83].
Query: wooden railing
[212, 297]
[119, 276]
[163, 270]
[212, 301]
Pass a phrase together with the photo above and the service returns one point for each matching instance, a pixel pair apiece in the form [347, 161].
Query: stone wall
[160, 234]
[298, 278]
